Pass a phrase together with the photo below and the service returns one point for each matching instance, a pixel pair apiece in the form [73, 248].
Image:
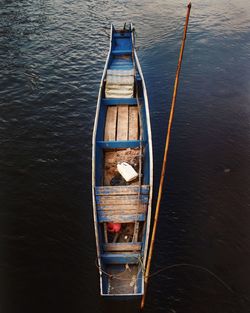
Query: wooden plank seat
[120, 258]
[121, 190]
[104, 217]
[121, 212]
[121, 144]
[122, 246]
[107, 200]
[121, 203]
[118, 101]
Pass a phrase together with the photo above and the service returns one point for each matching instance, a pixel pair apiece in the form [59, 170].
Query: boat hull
[122, 135]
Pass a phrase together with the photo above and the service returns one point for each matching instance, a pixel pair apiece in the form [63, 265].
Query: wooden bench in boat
[120, 144]
[122, 246]
[121, 258]
[121, 203]
[118, 101]
[121, 190]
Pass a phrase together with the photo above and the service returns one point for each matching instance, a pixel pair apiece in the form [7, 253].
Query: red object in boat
[114, 227]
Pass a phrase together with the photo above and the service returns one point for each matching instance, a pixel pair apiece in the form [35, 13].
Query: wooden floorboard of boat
[127, 246]
[133, 123]
[110, 125]
[122, 199]
[113, 157]
[122, 123]
[126, 279]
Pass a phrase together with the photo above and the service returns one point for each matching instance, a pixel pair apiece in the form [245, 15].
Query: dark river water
[52, 54]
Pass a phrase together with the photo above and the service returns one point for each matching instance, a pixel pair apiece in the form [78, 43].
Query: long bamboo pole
[164, 163]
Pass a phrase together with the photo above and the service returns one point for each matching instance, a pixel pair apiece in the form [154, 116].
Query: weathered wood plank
[114, 213]
[110, 124]
[136, 231]
[129, 258]
[124, 246]
[130, 218]
[121, 190]
[122, 208]
[122, 123]
[121, 199]
[133, 129]
[105, 232]
[116, 101]
[120, 144]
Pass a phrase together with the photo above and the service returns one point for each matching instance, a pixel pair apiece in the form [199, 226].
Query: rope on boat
[118, 276]
[199, 267]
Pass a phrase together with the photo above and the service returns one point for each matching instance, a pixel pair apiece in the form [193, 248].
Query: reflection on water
[52, 55]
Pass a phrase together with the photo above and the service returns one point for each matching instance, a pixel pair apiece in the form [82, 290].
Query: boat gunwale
[150, 158]
[94, 153]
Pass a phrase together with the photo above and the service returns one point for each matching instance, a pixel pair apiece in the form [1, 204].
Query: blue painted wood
[103, 217]
[134, 198]
[99, 170]
[111, 258]
[120, 144]
[120, 52]
[118, 67]
[122, 43]
[115, 101]
[130, 189]
[119, 59]
[122, 35]
[139, 284]
[143, 117]
[101, 123]
[122, 62]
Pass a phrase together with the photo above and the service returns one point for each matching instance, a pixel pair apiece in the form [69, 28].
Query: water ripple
[52, 55]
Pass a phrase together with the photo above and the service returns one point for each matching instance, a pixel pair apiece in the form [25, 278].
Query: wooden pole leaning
[164, 163]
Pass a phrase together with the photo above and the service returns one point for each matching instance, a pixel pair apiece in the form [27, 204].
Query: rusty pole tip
[189, 5]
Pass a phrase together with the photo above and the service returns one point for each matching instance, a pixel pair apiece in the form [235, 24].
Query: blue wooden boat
[122, 133]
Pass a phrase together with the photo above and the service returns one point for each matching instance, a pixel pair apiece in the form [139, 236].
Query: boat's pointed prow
[122, 170]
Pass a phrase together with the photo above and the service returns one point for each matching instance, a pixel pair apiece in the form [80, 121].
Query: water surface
[52, 55]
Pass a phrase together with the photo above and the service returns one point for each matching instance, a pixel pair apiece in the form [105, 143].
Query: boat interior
[122, 137]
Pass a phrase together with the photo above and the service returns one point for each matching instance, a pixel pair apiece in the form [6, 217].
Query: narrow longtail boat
[122, 170]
